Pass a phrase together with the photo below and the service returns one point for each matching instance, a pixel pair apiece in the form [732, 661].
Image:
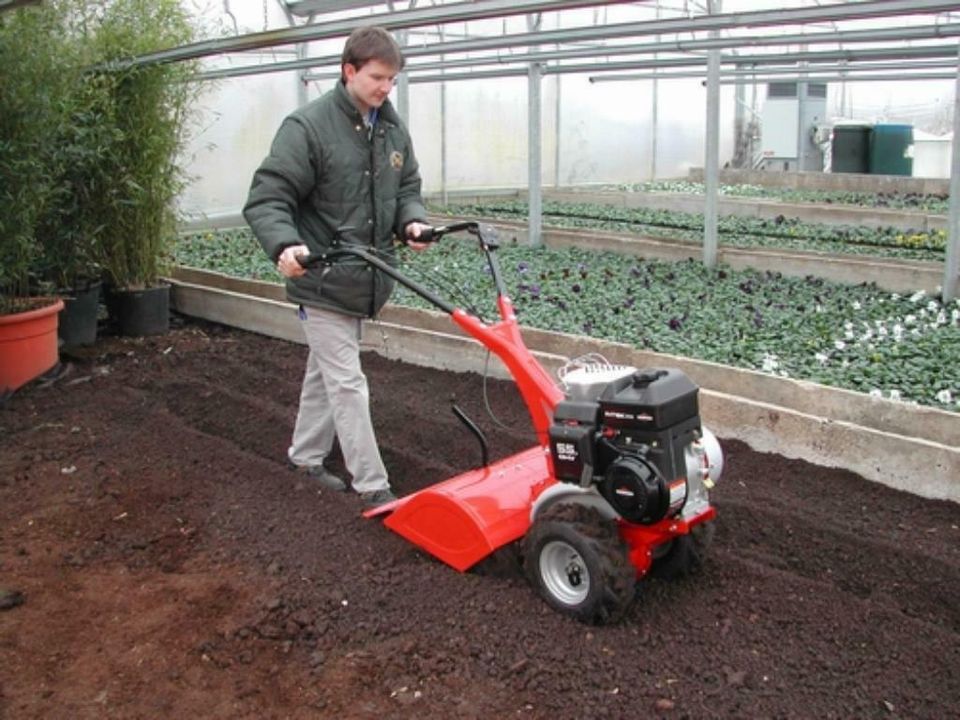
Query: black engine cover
[630, 442]
[649, 400]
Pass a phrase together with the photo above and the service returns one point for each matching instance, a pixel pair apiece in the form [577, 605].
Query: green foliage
[780, 232]
[88, 159]
[72, 227]
[232, 252]
[855, 337]
[138, 121]
[918, 202]
[35, 75]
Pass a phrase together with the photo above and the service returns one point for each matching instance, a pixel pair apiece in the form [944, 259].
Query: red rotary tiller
[617, 486]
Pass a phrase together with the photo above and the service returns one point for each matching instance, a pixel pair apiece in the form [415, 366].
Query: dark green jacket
[326, 180]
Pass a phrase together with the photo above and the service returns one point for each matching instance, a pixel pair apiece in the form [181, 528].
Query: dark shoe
[377, 498]
[323, 477]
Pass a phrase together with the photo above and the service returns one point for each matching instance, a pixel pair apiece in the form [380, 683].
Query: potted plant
[33, 84]
[71, 223]
[69, 228]
[145, 108]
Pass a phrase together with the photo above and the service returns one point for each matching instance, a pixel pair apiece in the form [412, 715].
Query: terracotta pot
[28, 345]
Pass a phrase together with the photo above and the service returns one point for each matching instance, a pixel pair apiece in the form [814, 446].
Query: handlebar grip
[306, 261]
[427, 235]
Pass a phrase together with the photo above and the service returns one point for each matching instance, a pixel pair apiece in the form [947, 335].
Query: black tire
[685, 554]
[578, 563]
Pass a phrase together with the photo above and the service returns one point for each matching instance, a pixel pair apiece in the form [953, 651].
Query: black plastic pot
[138, 313]
[78, 319]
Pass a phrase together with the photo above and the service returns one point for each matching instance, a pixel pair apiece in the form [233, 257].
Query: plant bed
[170, 565]
[902, 347]
[780, 232]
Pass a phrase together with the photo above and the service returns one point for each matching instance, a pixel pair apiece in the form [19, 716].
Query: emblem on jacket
[396, 159]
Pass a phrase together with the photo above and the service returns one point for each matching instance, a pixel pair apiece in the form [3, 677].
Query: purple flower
[575, 287]
[522, 267]
[675, 323]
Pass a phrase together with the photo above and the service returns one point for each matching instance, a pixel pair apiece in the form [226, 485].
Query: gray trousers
[335, 401]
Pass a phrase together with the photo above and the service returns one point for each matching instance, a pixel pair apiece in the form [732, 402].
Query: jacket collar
[345, 103]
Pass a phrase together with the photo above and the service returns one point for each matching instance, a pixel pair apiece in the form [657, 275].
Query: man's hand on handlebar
[412, 231]
[287, 262]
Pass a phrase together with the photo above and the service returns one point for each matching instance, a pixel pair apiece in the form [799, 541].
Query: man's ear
[349, 71]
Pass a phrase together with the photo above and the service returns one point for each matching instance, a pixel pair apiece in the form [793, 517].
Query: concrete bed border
[907, 447]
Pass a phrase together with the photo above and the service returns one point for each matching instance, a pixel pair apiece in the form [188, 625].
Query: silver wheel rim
[564, 572]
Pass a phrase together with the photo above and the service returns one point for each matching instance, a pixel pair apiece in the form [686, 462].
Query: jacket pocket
[348, 285]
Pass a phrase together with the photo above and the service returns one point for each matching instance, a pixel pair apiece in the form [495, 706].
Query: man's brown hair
[371, 43]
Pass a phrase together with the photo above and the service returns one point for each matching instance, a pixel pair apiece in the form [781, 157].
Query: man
[341, 170]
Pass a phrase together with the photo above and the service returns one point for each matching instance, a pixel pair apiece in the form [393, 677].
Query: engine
[636, 436]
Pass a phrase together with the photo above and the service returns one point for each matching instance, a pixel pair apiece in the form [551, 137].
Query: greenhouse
[544, 358]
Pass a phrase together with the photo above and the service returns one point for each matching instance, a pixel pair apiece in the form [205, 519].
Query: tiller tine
[464, 519]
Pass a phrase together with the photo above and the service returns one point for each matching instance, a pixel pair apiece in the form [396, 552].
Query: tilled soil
[168, 564]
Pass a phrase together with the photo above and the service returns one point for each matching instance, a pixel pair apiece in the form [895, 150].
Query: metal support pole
[301, 50]
[952, 261]
[534, 140]
[403, 82]
[556, 142]
[534, 147]
[802, 90]
[712, 150]
[654, 116]
[444, 198]
[739, 127]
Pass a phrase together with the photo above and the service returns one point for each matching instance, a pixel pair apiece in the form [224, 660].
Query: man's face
[370, 85]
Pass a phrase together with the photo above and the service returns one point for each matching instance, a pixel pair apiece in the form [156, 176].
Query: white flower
[857, 305]
[770, 363]
[882, 331]
[822, 358]
[932, 306]
[848, 325]
[898, 332]
[876, 393]
[895, 395]
[818, 308]
[955, 315]
[945, 397]
[848, 335]
[895, 296]
[839, 344]
[918, 296]
[941, 318]
[910, 319]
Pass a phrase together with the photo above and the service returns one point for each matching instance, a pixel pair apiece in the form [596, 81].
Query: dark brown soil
[171, 566]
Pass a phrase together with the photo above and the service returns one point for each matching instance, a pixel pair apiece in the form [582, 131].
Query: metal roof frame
[481, 9]
[711, 23]
[307, 8]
